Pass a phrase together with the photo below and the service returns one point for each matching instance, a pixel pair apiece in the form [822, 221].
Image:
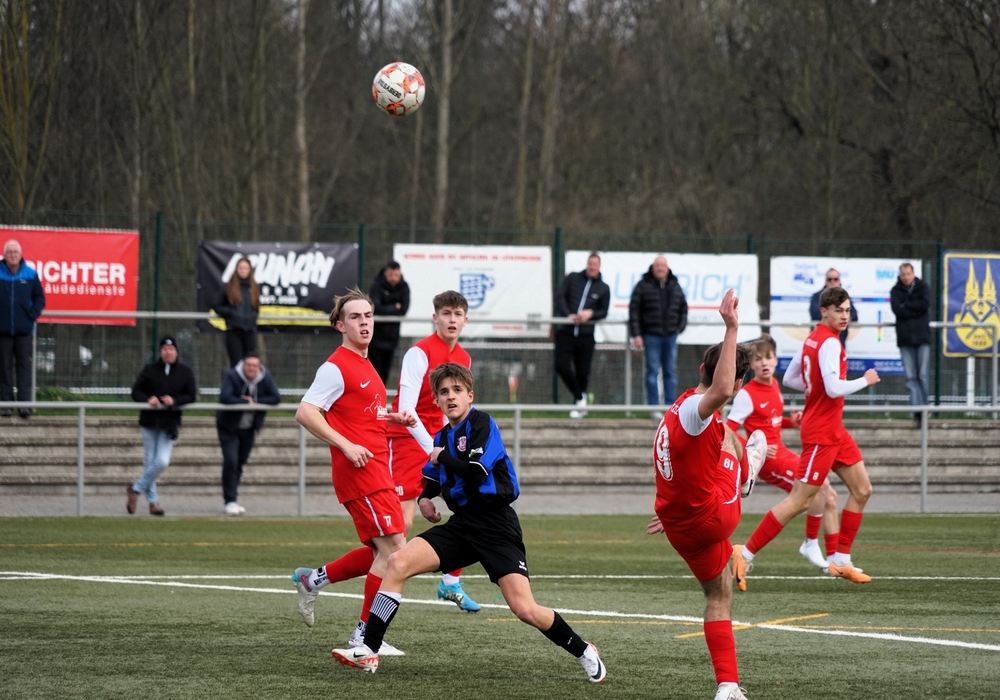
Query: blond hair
[341, 301]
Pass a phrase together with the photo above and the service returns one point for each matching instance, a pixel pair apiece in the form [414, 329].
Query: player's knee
[862, 492]
[526, 611]
[829, 498]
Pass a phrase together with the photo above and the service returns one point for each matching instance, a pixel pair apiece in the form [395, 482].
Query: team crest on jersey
[661, 453]
[461, 444]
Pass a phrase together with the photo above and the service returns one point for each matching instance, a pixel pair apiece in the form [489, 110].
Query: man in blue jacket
[246, 383]
[21, 302]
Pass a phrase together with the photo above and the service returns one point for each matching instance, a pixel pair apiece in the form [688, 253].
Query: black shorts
[490, 536]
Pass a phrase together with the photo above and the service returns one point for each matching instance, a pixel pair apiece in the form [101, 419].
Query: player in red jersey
[410, 447]
[702, 470]
[820, 370]
[346, 408]
[760, 406]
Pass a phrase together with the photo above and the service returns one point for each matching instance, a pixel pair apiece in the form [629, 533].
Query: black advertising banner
[297, 279]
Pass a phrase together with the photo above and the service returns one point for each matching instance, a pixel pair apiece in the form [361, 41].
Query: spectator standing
[583, 297]
[911, 304]
[239, 305]
[657, 314]
[246, 383]
[391, 295]
[832, 280]
[165, 385]
[21, 303]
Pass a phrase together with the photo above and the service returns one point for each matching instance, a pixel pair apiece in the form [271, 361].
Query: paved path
[535, 500]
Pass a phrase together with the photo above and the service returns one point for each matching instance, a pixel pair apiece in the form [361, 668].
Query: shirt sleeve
[829, 366]
[793, 374]
[411, 381]
[692, 423]
[327, 387]
[742, 408]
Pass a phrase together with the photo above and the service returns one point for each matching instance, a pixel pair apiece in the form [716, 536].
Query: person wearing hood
[165, 385]
[582, 297]
[246, 383]
[391, 295]
[239, 304]
[657, 314]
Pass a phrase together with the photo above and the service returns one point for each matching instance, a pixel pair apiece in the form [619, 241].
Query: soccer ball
[398, 89]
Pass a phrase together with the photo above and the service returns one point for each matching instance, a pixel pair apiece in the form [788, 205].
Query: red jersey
[415, 386]
[760, 406]
[686, 455]
[822, 417]
[352, 396]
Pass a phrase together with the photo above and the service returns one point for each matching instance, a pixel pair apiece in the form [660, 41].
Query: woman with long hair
[239, 304]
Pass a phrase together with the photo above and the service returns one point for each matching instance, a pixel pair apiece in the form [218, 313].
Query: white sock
[810, 543]
[318, 579]
[841, 559]
[449, 580]
[398, 597]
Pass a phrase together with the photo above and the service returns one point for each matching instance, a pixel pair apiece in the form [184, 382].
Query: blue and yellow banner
[970, 282]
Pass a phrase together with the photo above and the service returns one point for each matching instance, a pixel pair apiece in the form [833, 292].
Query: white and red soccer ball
[398, 89]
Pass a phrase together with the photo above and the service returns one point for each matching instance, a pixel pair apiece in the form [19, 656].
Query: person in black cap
[165, 385]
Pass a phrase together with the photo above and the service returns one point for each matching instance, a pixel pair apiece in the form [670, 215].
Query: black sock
[562, 635]
[382, 611]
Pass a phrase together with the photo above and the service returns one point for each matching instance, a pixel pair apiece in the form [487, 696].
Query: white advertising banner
[704, 279]
[868, 280]
[501, 282]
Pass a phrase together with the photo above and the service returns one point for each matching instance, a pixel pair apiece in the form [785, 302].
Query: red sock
[456, 573]
[850, 521]
[830, 539]
[812, 526]
[372, 583]
[744, 466]
[767, 530]
[353, 564]
[722, 648]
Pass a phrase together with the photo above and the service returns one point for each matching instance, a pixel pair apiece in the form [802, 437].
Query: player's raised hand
[871, 377]
[429, 510]
[796, 417]
[655, 526]
[405, 417]
[727, 309]
[356, 454]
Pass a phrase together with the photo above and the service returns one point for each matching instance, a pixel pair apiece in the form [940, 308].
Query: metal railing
[518, 410]
[534, 322]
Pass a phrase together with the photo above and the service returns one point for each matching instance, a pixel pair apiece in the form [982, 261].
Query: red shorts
[406, 462]
[376, 515]
[781, 469]
[817, 460]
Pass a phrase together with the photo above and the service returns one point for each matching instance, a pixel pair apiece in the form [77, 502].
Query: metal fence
[81, 407]
[75, 361]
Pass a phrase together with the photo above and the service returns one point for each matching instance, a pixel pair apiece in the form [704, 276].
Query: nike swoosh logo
[366, 383]
[763, 405]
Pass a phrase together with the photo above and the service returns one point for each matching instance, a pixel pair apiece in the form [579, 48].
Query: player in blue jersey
[469, 468]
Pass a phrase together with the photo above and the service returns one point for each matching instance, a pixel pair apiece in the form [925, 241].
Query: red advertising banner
[82, 270]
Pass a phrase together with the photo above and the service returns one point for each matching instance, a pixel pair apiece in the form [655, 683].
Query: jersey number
[807, 373]
[661, 453]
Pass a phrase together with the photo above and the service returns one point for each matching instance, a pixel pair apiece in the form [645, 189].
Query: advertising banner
[82, 270]
[298, 279]
[970, 283]
[500, 282]
[704, 279]
[868, 280]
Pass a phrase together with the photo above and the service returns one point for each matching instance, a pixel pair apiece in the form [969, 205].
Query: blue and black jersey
[474, 466]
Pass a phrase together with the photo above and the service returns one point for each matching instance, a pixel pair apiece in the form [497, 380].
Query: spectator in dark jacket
[21, 302]
[583, 297]
[239, 305]
[657, 314]
[165, 385]
[911, 304]
[832, 280]
[391, 295]
[247, 383]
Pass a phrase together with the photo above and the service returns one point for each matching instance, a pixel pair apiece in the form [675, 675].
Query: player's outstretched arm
[725, 372]
[829, 360]
[311, 418]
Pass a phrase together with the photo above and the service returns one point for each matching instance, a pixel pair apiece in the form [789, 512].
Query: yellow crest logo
[980, 306]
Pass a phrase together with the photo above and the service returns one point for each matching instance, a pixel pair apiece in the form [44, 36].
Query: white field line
[39, 576]
[11, 576]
